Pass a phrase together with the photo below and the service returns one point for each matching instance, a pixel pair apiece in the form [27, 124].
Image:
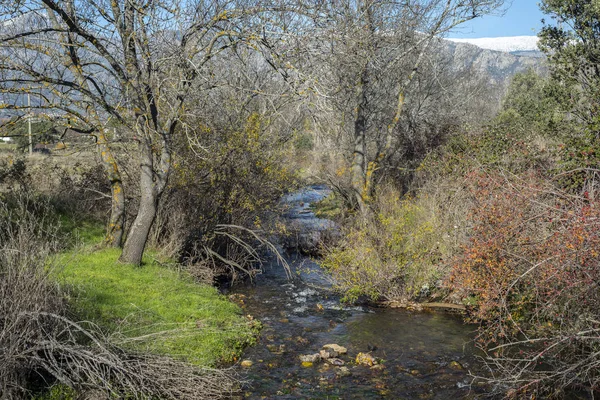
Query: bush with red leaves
[531, 272]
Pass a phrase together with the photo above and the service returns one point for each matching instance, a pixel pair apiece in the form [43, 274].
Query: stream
[421, 355]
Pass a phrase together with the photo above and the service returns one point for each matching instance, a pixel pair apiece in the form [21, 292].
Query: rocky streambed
[314, 347]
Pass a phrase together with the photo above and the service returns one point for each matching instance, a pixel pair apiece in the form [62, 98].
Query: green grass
[80, 231]
[175, 315]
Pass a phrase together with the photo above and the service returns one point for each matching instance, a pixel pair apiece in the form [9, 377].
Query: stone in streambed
[246, 363]
[335, 361]
[276, 349]
[455, 365]
[344, 371]
[325, 354]
[312, 358]
[336, 348]
[365, 359]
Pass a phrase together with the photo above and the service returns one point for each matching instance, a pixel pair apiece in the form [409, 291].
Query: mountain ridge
[507, 44]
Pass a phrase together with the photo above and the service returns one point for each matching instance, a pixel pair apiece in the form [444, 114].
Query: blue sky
[522, 18]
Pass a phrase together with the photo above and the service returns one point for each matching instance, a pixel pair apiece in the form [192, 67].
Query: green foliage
[156, 309]
[534, 105]
[57, 392]
[579, 159]
[303, 141]
[573, 49]
[391, 257]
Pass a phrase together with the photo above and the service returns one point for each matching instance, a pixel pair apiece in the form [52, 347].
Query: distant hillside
[508, 44]
[498, 58]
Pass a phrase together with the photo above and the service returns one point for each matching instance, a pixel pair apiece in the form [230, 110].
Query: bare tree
[130, 62]
[39, 56]
[371, 53]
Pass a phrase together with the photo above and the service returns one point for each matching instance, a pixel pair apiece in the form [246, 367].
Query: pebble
[336, 348]
[365, 359]
[335, 361]
[246, 363]
[455, 365]
[310, 358]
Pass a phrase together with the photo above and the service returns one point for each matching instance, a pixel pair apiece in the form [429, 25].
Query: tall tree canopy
[571, 40]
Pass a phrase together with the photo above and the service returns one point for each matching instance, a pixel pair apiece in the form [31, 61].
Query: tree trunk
[359, 174]
[153, 180]
[359, 156]
[114, 229]
[140, 230]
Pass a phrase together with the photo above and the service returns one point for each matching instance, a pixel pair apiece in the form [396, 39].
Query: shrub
[238, 185]
[530, 270]
[395, 254]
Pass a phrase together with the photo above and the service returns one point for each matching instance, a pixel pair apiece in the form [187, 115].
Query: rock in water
[335, 361]
[455, 365]
[311, 358]
[365, 359]
[325, 354]
[246, 363]
[336, 348]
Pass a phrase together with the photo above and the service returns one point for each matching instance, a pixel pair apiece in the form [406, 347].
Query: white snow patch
[506, 44]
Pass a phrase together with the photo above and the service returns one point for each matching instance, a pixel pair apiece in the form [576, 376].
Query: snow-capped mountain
[509, 44]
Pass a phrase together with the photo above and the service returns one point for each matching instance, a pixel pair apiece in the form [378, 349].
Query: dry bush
[530, 272]
[38, 340]
[400, 252]
[215, 206]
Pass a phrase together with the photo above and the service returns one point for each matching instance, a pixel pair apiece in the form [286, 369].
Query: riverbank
[155, 309]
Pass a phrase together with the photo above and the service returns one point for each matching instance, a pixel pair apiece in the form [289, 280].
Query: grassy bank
[155, 308]
[152, 309]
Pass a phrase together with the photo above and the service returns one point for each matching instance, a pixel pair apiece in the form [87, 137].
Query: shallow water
[417, 349]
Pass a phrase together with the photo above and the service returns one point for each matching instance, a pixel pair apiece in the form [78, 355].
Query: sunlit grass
[153, 308]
